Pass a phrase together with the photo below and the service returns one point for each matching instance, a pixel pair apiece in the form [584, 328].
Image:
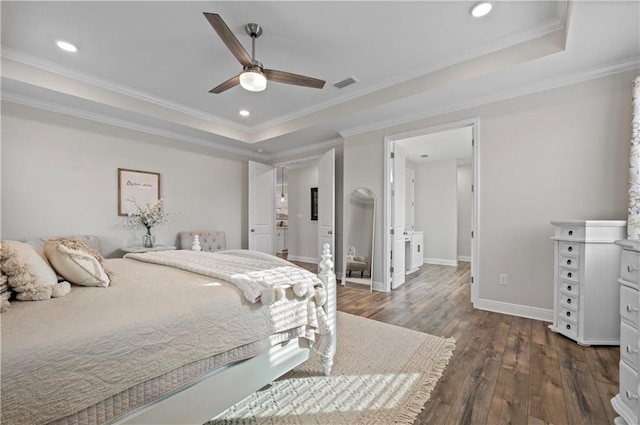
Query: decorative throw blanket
[261, 278]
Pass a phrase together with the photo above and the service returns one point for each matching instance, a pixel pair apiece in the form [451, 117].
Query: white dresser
[586, 291]
[626, 403]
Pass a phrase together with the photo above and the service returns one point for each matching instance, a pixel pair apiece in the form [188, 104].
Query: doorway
[429, 174]
[263, 199]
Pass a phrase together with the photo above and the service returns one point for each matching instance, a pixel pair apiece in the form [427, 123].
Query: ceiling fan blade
[231, 82]
[229, 39]
[295, 79]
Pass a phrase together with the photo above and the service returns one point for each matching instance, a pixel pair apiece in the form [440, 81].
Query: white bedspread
[256, 274]
[64, 354]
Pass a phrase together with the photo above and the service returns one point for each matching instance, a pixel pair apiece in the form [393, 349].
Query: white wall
[303, 232]
[465, 180]
[558, 154]
[59, 177]
[436, 210]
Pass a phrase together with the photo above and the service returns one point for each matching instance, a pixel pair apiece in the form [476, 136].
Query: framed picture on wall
[314, 203]
[141, 186]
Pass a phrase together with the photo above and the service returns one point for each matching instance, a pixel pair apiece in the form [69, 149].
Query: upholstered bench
[210, 240]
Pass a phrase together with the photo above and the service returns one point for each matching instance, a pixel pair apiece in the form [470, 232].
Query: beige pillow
[76, 262]
[35, 262]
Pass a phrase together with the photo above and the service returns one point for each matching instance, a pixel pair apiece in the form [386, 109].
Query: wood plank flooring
[505, 369]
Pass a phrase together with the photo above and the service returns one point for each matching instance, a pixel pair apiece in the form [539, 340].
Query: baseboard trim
[378, 286]
[528, 312]
[302, 259]
[441, 262]
[465, 258]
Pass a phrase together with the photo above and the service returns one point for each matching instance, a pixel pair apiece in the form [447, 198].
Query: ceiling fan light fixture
[253, 80]
[480, 9]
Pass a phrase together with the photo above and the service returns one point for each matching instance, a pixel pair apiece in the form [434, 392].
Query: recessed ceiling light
[244, 112]
[66, 46]
[480, 9]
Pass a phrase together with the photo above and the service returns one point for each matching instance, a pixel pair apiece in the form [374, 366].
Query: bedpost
[328, 277]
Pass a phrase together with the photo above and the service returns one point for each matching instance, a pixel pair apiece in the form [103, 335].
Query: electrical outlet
[503, 279]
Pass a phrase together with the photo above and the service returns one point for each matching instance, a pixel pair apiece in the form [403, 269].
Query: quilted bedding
[65, 354]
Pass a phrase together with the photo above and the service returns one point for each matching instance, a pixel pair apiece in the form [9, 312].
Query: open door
[261, 207]
[326, 202]
[398, 164]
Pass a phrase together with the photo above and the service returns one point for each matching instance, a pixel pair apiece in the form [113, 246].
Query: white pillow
[35, 262]
[76, 265]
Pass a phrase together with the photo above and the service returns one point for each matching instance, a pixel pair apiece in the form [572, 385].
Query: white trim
[464, 258]
[528, 312]
[522, 90]
[441, 262]
[104, 119]
[376, 285]
[302, 259]
[27, 59]
[327, 144]
[475, 212]
[386, 218]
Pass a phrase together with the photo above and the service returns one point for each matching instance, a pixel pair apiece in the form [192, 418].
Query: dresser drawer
[629, 345]
[570, 329]
[570, 288]
[569, 248]
[569, 301]
[570, 232]
[629, 387]
[569, 274]
[629, 305]
[629, 266]
[567, 314]
[568, 261]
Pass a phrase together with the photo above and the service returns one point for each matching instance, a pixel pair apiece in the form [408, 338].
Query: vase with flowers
[147, 216]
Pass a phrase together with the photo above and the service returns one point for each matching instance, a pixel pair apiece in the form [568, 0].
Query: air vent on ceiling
[344, 83]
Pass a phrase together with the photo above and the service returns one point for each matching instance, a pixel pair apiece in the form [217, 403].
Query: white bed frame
[222, 388]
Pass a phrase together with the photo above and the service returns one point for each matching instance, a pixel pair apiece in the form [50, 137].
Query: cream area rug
[382, 374]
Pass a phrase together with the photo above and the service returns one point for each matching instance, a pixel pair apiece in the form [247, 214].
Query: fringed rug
[382, 374]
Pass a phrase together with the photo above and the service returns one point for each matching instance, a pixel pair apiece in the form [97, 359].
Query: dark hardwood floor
[505, 369]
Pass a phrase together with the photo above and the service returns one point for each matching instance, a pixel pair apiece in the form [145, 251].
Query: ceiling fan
[253, 76]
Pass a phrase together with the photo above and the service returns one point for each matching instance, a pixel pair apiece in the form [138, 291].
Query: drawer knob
[570, 232]
[631, 396]
[569, 274]
[631, 268]
[629, 350]
[631, 309]
[568, 314]
[569, 301]
[568, 262]
[570, 249]
[568, 287]
[568, 327]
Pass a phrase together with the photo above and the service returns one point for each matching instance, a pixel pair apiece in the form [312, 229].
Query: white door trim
[475, 203]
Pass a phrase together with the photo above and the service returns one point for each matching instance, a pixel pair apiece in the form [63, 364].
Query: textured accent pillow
[76, 262]
[35, 262]
[5, 293]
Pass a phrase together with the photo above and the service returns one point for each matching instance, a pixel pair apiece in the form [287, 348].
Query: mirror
[359, 247]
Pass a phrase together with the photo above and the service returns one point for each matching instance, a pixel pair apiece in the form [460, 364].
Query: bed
[162, 344]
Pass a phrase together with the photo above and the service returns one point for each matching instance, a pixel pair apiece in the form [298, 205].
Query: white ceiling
[149, 65]
[439, 146]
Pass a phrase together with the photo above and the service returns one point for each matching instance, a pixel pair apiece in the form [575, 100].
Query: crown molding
[554, 24]
[550, 83]
[117, 122]
[306, 149]
[26, 59]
